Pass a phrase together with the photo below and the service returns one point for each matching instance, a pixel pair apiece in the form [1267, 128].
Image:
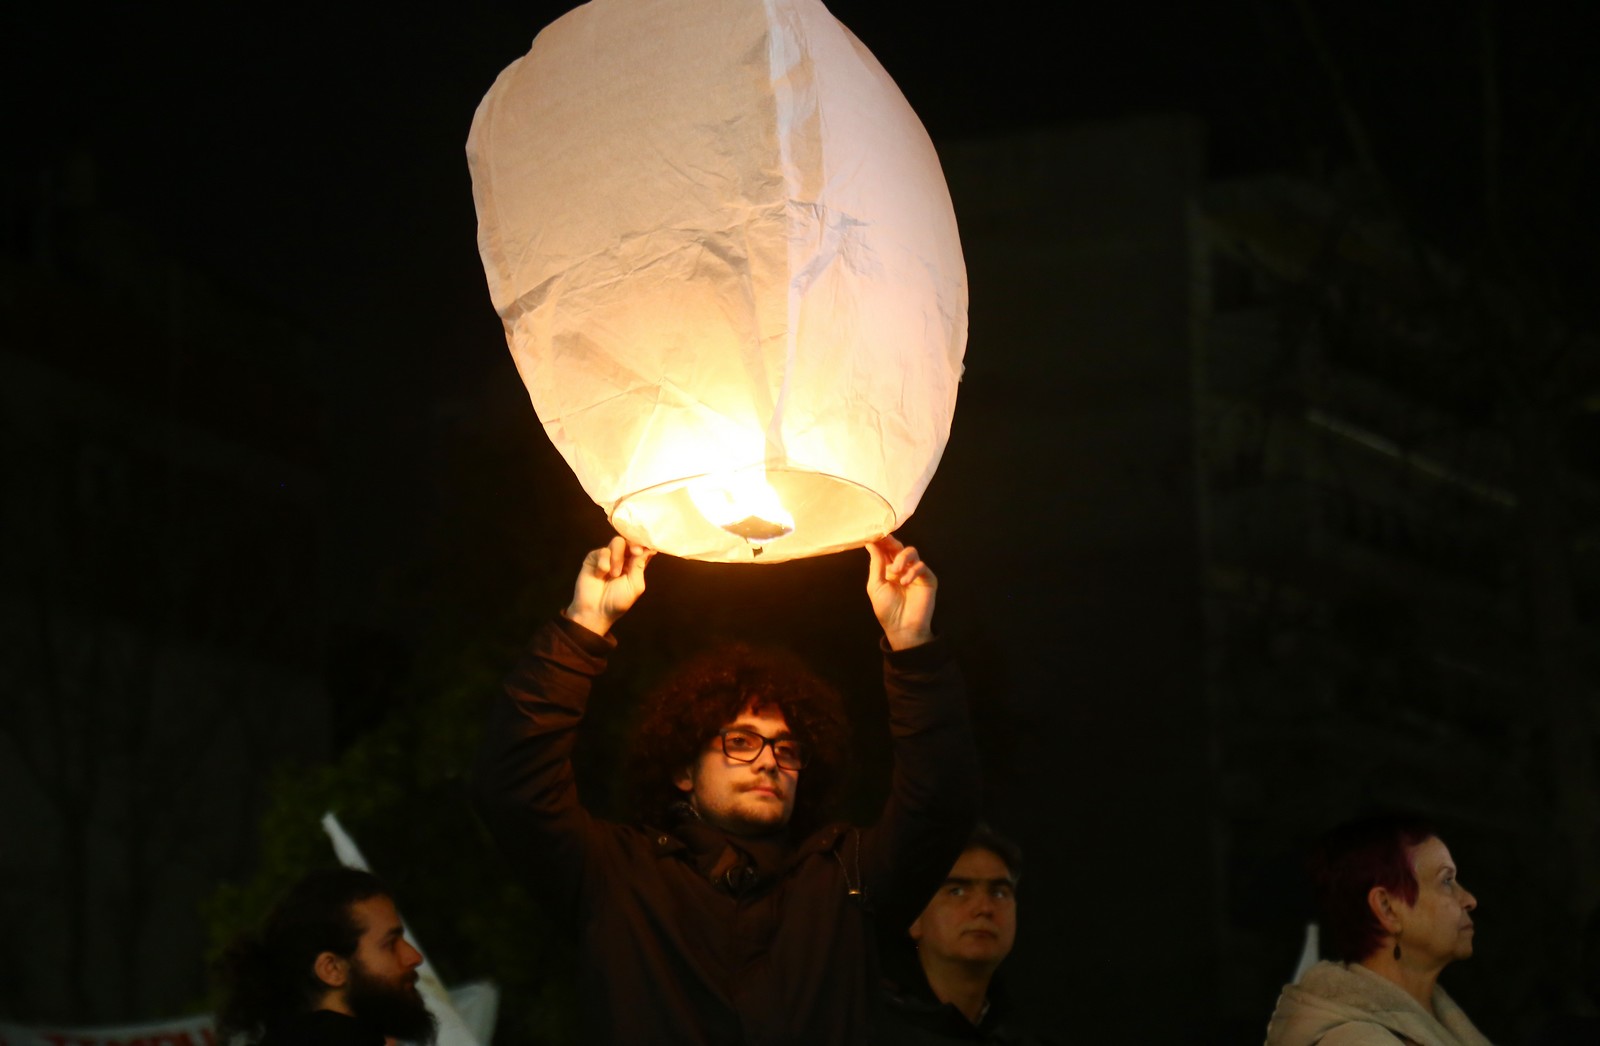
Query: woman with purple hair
[1394, 915]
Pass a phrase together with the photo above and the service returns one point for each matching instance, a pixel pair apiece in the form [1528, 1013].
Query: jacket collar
[1333, 993]
[730, 862]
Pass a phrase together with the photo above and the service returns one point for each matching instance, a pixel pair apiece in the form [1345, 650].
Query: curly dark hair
[268, 974]
[708, 692]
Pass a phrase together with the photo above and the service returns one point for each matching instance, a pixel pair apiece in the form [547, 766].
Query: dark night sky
[318, 155]
[312, 156]
[319, 149]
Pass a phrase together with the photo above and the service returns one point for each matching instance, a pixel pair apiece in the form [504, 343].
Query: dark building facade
[1400, 582]
[158, 586]
[1298, 556]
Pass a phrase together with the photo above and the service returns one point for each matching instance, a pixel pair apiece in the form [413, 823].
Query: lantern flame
[742, 503]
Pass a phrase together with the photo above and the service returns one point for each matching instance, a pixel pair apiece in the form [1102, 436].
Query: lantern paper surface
[729, 272]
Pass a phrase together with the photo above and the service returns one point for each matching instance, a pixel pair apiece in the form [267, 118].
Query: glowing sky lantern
[728, 269]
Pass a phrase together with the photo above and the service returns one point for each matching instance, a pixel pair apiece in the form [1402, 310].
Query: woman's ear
[684, 779]
[1381, 904]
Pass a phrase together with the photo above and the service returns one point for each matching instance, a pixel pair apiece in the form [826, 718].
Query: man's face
[973, 917]
[1438, 928]
[382, 988]
[743, 798]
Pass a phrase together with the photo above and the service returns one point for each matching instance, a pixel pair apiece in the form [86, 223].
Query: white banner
[186, 1031]
[476, 1003]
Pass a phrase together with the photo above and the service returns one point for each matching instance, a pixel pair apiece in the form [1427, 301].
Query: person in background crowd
[330, 966]
[1394, 914]
[945, 992]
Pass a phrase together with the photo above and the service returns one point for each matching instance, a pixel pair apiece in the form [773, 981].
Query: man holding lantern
[733, 912]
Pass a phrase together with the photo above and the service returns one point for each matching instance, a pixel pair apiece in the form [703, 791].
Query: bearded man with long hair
[329, 966]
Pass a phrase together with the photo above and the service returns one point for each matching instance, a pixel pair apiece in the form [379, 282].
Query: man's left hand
[902, 590]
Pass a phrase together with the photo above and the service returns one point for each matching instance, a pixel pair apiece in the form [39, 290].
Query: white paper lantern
[728, 269]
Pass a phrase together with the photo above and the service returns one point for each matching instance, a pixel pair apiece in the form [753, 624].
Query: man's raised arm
[935, 789]
[522, 782]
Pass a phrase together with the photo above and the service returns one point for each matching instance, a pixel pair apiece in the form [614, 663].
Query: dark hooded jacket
[686, 935]
[910, 1014]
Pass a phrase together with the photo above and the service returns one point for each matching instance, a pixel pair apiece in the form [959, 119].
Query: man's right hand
[610, 580]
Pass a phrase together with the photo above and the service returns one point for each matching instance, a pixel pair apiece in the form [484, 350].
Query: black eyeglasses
[746, 746]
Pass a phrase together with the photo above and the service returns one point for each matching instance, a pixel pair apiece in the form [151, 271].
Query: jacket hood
[1332, 994]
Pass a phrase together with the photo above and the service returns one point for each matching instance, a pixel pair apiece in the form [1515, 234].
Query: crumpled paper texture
[719, 239]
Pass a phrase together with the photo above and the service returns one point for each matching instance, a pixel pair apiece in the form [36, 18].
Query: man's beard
[395, 1009]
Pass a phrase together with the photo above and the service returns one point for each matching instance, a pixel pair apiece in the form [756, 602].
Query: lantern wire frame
[830, 512]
